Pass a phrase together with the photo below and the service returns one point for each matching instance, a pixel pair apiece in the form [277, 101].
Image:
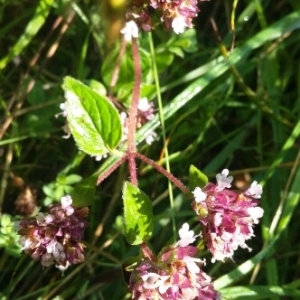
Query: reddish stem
[132, 168]
[163, 171]
[111, 169]
[132, 119]
[115, 74]
[147, 252]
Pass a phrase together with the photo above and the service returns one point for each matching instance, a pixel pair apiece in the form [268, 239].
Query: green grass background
[230, 99]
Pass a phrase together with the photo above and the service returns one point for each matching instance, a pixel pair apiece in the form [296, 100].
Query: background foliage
[231, 100]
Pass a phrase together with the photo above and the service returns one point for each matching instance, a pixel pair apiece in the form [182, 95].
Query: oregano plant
[104, 122]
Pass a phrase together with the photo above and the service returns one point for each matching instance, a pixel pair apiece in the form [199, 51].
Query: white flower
[63, 107]
[130, 30]
[218, 217]
[191, 264]
[224, 181]
[179, 24]
[151, 137]
[186, 236]
[153, 280]
[189, 293]
[255, 190]
[199, 195]
[218, 248]
[255, 213]
[100, 157]
[144, 105]
[66, 201]
[62, 267]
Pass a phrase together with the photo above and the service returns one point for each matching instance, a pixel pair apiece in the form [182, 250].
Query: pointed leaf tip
[93, 120]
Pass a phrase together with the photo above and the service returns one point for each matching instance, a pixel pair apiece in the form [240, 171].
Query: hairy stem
[163, 171]
[147, 252]
[111, 169]
[133, 111]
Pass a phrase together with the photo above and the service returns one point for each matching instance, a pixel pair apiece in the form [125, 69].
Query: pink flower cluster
[174, 275]
[175, 14]
[227, 216]
[55, 238]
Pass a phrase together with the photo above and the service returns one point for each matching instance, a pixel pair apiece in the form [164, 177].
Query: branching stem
[111, 169]
[163, 171]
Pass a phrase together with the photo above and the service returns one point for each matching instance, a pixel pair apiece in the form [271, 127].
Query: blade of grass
[162, 121]
[258, 292]
[30, 31]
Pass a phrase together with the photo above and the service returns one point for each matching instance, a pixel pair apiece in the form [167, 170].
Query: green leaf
[92, 118]
[177, 50]
[163, 60]
[84, 191]
[196, 178]
[5, 220]
[59, 193]
[97, 86]
[48, 189]
[73, 178]
[187, 41]
[124, 92]
[148, 91]
[138, 215]
[67, 189]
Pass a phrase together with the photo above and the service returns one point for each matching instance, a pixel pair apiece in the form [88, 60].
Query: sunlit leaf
[138, 215]
[196, 178]
[93, 120]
